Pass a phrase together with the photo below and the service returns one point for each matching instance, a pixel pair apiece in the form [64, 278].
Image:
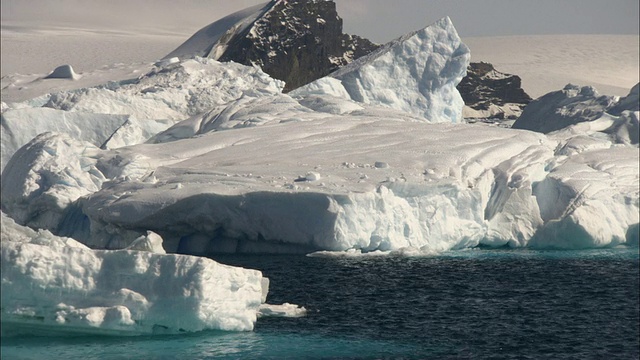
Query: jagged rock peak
[297, 41]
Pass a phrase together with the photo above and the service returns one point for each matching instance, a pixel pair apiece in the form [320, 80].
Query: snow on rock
[56, 285]
[45, 176]
[212, 40]
[63, 72]
[417, 73]
[559, 109]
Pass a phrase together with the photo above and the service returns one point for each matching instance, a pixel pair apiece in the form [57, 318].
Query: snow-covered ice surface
[130, 111]
[57, 285]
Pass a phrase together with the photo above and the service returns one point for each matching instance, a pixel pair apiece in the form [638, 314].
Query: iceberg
[258, 171]
[19, 126]
[131, 111]
[56, 285]
[417, 73]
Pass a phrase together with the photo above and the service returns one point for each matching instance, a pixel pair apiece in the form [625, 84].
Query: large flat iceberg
[322, 169]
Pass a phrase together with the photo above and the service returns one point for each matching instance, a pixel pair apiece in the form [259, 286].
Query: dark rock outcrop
[297, 41]
[485, 86]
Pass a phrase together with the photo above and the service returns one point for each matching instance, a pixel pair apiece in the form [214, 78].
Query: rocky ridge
[297, 41]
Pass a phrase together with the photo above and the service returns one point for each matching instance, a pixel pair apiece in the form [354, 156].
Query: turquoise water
[502, 304]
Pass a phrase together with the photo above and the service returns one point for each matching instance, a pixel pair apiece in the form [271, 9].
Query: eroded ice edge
[201, 157]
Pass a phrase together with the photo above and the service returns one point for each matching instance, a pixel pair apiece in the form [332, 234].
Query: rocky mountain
[299, 41]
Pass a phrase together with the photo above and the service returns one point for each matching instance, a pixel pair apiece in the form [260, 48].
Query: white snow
[416, 73]
[56, 285]
[130, 112]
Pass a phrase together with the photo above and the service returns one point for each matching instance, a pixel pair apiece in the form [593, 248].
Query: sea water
[500, 304]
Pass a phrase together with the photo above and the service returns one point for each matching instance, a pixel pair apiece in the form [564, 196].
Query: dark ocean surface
[472, 304]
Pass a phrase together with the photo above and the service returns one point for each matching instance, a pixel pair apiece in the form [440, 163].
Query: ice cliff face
[417, 74]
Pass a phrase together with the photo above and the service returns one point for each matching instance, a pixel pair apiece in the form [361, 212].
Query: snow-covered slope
[57, 285]
[211, 40]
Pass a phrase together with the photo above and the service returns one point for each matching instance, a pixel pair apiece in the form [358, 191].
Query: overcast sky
[379, 20]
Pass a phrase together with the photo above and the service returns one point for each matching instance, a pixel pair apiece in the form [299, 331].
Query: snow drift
[63, 72]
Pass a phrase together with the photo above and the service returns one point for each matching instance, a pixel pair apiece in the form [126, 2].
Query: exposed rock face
[492, 93]
[297, 41]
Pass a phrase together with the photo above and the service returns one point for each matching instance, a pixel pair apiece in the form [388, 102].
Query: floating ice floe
[55, 285]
